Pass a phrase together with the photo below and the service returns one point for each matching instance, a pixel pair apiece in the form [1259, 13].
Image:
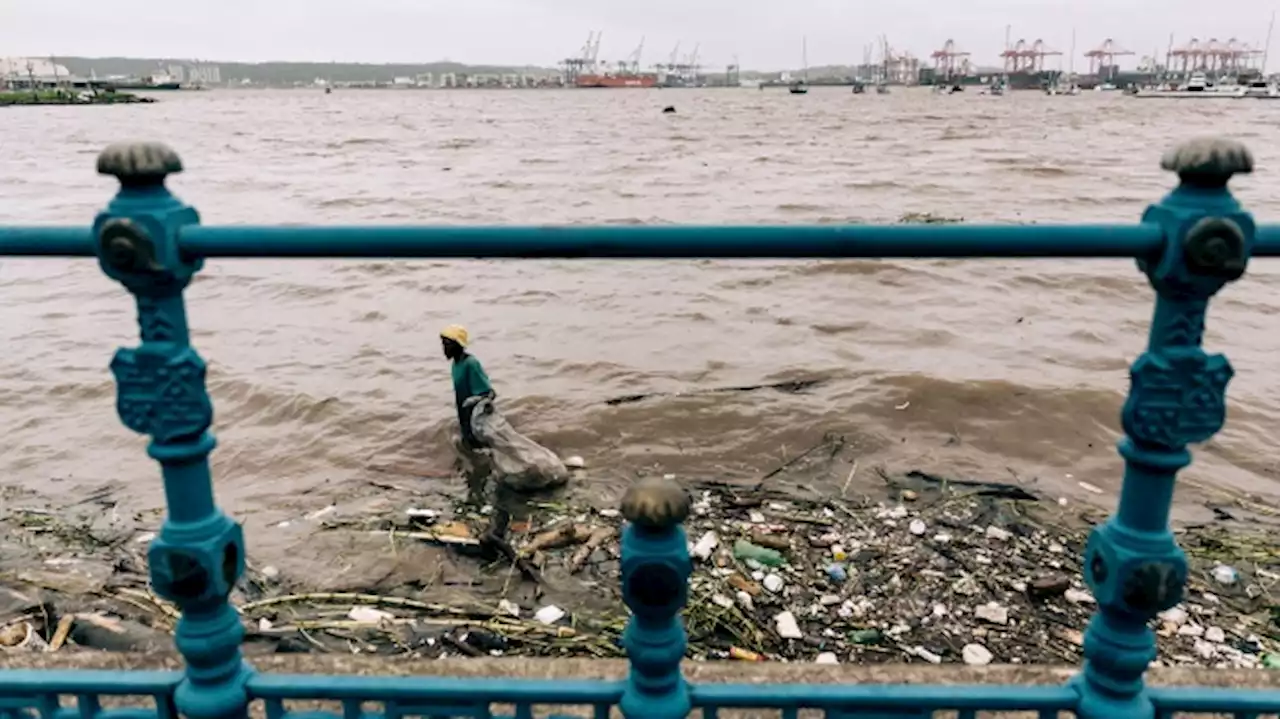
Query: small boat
[1260, 89]
[858, 87]
[801, 86]
[328, 90]
[1197, 87]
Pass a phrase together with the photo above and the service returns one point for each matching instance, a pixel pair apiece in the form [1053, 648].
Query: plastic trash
[512, 458]
[743, 550]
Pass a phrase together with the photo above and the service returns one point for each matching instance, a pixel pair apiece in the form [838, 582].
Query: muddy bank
[928, 569]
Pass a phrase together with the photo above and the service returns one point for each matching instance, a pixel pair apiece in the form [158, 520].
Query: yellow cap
[457, 333]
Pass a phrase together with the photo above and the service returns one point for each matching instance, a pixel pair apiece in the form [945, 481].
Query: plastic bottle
[742, 549]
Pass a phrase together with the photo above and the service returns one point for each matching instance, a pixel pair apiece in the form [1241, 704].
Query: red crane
[1104, 56]
[1213, 55]
[950, 62]
[1027, 58]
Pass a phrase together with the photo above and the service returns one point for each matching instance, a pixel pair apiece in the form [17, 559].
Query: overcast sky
[760, 33]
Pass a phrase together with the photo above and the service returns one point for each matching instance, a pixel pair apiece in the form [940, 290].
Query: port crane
[1027, 57]
[1214, 56]
[681, 72]
[1102, 59]
[631, 65]
[950, 62]
[586, 61]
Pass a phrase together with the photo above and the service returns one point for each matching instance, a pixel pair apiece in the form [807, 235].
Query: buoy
[669, 108]
[575, 462]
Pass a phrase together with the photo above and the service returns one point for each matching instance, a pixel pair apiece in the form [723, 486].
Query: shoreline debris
[939, 570]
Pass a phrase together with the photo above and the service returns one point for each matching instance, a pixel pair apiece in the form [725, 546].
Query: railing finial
[656, 504]
[1177, 397]
[655, 587]
[199, 556]
[138, 164]
[1208, 162]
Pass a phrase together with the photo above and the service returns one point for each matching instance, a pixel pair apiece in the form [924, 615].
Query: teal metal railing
[1190, 244]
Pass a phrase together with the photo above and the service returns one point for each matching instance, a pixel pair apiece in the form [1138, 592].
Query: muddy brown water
[327, 374]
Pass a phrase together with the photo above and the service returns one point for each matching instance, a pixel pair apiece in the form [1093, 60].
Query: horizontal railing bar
[668, 241]
[639, 241]
[46, 241]
[34, 682]
[1205, 700]
[886, 696]
[419, 689]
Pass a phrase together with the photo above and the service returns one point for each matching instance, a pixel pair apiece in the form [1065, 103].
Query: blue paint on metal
[655, 586]
[632, 241]
[199, 556]
[1177, 396]
[1190, 244]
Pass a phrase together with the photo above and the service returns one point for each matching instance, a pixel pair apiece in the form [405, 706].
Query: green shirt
[469, 380]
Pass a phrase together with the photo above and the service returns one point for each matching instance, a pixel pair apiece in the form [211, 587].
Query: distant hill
[284, 73]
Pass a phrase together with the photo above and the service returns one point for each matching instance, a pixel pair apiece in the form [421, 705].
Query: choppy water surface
[322, 371]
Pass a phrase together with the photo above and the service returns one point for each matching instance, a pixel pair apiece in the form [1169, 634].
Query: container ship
[585, 69]
[625, 80]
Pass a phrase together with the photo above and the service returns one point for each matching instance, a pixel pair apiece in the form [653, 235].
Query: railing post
[199, 555]
[1177, 396]
[655, 586]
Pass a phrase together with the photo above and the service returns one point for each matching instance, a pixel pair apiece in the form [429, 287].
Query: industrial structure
[1213, 56]
[1024, 65]
[897, 67]
[681, 71]
[1102, 59]
[586, 69]
[1027, 58]
[950, 62]
[34, 72]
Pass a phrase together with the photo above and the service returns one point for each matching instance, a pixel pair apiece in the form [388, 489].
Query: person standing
[470, 383]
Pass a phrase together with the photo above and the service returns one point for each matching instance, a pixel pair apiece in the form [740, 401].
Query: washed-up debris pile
[936, 571]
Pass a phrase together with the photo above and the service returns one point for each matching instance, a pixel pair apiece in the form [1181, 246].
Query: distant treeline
[282, 73]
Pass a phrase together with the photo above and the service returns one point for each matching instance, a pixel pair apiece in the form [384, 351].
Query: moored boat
[801, 86]
[618, 80]
[1196, 87]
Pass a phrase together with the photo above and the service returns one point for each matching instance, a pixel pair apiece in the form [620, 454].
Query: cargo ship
[621, 80]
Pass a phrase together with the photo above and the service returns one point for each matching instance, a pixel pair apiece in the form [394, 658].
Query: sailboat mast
[1071, 61]
[1007, 29]
[1267, 49]
[804, 56]
[884, 59]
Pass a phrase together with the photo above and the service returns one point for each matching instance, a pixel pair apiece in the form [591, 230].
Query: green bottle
[742, 549]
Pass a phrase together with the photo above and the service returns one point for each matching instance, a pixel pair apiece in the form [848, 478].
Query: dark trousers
[469, 438]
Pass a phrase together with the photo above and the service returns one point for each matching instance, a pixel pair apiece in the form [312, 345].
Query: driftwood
[791, 387]
[594, 542]
[998, 490]
[494, 544]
